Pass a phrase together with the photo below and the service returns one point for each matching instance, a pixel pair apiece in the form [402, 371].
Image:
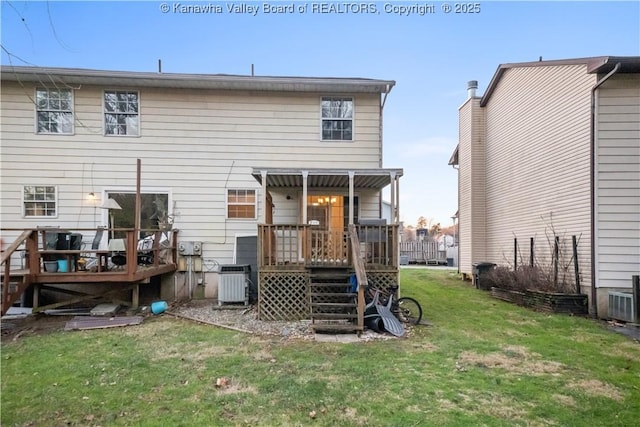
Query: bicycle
[406, 309]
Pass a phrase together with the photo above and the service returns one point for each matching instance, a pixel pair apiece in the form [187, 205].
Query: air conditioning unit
[233, 285]
[621, 306]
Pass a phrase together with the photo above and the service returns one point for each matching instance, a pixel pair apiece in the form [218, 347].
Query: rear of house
[71, 137]
[525, 171]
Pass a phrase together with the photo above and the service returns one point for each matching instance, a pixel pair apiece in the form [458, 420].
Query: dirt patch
[596, 388]
[33, 325]
[513, 359]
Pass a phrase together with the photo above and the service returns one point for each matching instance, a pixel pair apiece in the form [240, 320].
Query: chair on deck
[97, 259]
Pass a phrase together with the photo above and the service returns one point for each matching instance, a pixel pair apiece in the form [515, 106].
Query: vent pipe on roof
[160, 66]
[472, 85]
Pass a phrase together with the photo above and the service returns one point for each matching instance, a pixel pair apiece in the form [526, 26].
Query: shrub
[525, 278]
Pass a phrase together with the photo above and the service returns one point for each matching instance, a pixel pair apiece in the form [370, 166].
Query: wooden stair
[333, 305]
[14, 288]
[16, 281]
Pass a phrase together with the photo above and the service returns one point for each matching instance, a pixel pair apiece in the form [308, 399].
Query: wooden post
[531, 257]
[576, 270]
[556, 254]
[135, 295]
[635, 283]
[138, 199]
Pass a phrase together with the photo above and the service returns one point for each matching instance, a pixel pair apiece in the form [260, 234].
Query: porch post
[263, 215]
[394, 207]
[397, 178]
[305, 175]
[351, 175]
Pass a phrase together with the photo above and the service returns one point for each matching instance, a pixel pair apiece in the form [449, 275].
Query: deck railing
[303, 246]
[36, 250]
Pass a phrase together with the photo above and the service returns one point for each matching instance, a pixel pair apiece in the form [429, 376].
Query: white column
[351, 196]
[397, 178]
[394, 207]
[305, 176]
[263, 215]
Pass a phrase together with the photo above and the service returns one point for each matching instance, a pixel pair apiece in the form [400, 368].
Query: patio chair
[96, 260]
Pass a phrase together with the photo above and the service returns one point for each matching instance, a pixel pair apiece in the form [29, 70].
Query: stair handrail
[6, 254]
[5, 258]
[361, 273]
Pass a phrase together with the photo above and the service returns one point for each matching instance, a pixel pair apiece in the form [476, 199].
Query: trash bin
[480, 269]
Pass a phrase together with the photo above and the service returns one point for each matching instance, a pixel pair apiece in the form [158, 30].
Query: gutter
[592, 154]
[380, 159]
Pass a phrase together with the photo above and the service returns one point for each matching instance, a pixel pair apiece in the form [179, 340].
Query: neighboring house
[553, 149]
[219, 155]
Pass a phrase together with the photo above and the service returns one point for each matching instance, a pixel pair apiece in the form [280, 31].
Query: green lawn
[482, 362]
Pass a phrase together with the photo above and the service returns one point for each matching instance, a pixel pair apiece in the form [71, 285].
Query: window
[241, 204]
[337, 119]
[54, 111]
[154, 209]
[39, 201]
[121, 113]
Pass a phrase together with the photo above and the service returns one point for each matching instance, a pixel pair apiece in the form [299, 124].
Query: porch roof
[327, 178]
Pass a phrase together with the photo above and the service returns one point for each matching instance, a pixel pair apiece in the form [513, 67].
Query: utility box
[190, 248]
[233, 285]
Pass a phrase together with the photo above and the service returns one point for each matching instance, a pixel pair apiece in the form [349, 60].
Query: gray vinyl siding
[194, 144]
[537, 158]
[471, 176]
[618, 182]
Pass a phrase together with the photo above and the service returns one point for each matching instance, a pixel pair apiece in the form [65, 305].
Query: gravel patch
[245, 319]
[241, 318]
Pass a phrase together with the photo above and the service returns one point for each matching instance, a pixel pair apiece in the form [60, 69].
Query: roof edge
[53, 75]
[596, 64]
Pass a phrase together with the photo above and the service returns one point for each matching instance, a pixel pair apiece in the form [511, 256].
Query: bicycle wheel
[409, 310]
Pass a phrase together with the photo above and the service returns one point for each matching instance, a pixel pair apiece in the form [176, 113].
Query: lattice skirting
[381, 280]
[283, 295]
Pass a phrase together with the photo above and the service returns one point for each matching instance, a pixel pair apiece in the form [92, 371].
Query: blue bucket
[63, 266]
[158, 307]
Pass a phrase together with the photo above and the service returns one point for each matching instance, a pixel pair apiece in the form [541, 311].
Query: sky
[430, 49]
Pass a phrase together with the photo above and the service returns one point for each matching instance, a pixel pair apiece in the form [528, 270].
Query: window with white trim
[337, 119]
[121, 113]
[241, 204]
[54, 111]
[39, 201]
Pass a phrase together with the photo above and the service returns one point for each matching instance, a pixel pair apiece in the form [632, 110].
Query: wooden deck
[24, 267]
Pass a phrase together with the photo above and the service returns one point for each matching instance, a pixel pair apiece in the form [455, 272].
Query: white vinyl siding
[537, 160]
[618, 182]
[197, 143]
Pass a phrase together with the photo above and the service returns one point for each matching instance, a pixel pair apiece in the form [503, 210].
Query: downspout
[384, 100]
[592, 154]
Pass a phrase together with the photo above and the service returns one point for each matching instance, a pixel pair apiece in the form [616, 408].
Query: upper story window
[39, 200]
[121, 115]
[337, 119]
[241, 204]
[54, 111]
